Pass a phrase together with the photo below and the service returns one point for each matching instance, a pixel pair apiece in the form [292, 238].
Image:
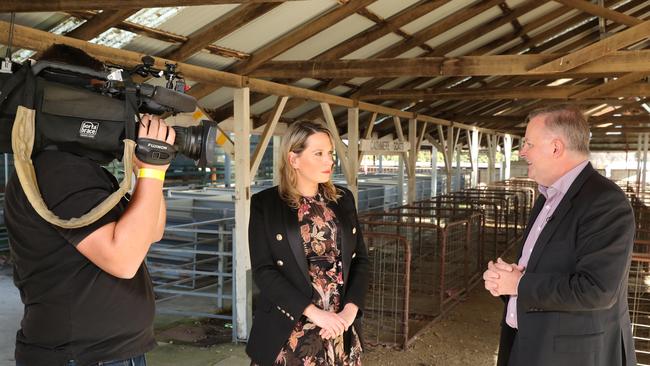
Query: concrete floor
[11, 311]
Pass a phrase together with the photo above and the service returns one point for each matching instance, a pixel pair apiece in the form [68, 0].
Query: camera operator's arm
[120, 247]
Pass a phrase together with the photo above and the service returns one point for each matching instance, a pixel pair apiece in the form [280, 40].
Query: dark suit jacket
[572, 300]
[280, 269]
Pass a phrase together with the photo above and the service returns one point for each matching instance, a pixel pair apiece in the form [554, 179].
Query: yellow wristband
[151, 173]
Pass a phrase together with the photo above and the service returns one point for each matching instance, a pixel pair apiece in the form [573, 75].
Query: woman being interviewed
[308, 260]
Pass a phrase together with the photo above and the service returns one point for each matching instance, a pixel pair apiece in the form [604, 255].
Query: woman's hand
[331, 324]
[348, 314]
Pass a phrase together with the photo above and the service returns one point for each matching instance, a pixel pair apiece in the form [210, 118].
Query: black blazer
[572, 300]
[280, 269]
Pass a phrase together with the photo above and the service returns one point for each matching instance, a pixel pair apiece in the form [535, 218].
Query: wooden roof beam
[424, 35]
[373, 33]
[379, 30]
[220, 28]
[601, 11]
[535, 92]
[298, 35]
[468, 36]
[612, 62]
[291, 39]
[438, 28]
[33, 39]
[162, 35]
[597, 50]
[19, 6]
[610, 86]
[420, 36]
[100, 23]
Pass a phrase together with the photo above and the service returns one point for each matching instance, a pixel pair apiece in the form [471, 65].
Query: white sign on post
[383, 146]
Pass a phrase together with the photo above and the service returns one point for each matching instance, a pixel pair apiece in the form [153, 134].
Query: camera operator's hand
[119, 247]
[154, 127]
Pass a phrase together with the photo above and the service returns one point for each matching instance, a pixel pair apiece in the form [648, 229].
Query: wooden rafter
[19, 6]
[590, 37]
[100, 23]
[578, 43]
[220, 28]
[610, 87]
[291, 39]
[423, 36]
[459, 41]
[438, 28]
[596, 51]
[37, 40]
[535, 92]
[379, 30]
[371, 34]
[600, 11]
[419, 38]
[296, 36]
[162, 35]
[614, 62]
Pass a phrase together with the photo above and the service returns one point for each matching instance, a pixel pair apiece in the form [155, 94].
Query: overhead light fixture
[613, 133]
[645, 106]
[559, 82]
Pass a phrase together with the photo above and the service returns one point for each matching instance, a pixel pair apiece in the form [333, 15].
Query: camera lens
[197, 142]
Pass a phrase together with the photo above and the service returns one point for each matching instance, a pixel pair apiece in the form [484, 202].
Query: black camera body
[88, 113]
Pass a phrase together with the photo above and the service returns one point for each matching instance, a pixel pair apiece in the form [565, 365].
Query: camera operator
[87, 293]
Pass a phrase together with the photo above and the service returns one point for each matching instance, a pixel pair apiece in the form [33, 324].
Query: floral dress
[305, 347]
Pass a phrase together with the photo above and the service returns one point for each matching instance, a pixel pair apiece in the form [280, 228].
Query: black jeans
[135, 361]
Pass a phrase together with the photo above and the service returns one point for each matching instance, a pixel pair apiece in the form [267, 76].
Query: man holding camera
[87, 293]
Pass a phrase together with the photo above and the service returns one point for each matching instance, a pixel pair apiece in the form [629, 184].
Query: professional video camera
[90, 112]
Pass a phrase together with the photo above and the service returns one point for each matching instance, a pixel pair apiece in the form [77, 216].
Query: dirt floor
[467, 335]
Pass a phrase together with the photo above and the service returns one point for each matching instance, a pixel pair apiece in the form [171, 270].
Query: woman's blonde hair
[295, 140]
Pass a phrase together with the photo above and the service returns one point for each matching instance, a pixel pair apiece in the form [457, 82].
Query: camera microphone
[178, 102]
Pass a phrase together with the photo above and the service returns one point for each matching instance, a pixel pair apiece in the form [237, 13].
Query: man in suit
[566, 297]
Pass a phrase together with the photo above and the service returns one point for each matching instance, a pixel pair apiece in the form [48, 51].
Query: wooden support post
[458, 170]
[639, 146]
[447, 152]
[341, 149]
[474, 138]
[400, 180]
[413, 157]
[353, 152]
[269, 128]
[277, 156]
[400, 136]
[492, 140]
[368, 132]
[434, 171]
[243, 286]
[507, 154]
[644, 173]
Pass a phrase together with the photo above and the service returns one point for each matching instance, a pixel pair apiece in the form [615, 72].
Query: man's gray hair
[569, 122]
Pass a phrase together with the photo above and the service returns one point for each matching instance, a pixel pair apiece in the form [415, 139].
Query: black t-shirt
[73, 309]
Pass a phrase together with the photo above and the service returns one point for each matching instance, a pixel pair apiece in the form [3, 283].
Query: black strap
[19, 78]
[130, 106]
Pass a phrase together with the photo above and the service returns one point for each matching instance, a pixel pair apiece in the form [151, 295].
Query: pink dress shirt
[554, 195]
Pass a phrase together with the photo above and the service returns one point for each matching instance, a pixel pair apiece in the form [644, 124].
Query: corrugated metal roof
[191, 18]
[274, 24]
[328, 38]
[289, 16]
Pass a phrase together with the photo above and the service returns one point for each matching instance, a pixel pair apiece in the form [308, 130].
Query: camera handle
[22, 140]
